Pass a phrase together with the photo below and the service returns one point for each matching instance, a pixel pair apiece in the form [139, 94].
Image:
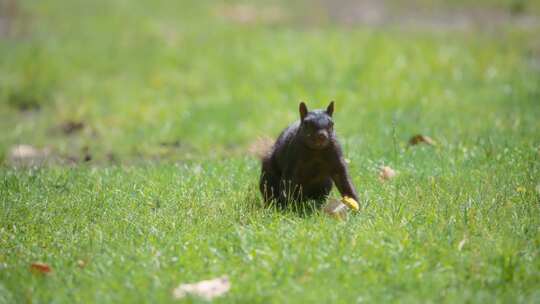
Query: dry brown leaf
[81, 263]
[71, 126]
[40, 267]
[419, 139]
[207, 289]
[386, 173]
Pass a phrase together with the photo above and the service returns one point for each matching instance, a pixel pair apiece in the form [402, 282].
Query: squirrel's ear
[303, 110]
[330, 108]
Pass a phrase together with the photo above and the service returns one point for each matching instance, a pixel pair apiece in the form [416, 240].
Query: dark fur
[305, 161]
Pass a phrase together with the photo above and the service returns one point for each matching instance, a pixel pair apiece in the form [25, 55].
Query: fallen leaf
[207, 289]
[70, 127]
[419, 139]
[40, 267]
[81, 263]
[386, 173]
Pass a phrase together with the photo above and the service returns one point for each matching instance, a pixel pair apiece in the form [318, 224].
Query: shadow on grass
[300, 209]
[254, 202]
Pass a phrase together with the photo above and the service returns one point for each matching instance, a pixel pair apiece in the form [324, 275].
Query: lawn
[150, 111]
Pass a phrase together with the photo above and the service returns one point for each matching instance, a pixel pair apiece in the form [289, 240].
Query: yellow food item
[350, 202]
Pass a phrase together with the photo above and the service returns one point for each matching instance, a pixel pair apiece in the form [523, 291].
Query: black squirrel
[305, 160]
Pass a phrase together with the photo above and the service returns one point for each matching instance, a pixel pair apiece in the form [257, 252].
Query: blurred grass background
[211, 76]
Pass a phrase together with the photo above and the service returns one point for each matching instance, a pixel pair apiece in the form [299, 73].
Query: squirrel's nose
[321, 137]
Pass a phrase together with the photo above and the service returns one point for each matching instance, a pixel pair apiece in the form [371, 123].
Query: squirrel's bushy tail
[261, 146]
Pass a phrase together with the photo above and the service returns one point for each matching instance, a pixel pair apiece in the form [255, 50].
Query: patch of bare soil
[413, 15]
[13, 21]
[24, 155]
[28, 155]
[251, 14]
[8, 11]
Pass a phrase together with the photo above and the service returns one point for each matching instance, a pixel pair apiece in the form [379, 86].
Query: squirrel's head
[316, 126]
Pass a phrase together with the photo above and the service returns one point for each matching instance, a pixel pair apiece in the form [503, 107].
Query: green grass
[460, 222]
